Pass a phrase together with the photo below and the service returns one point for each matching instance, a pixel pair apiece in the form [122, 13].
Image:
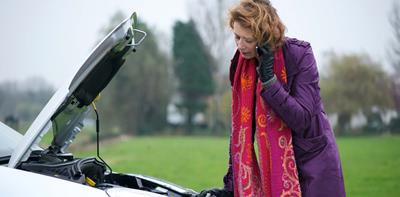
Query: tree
[394, 55]
[193, 69]
[354, 83]
[210, 19]
[135, 102]
[24, 100]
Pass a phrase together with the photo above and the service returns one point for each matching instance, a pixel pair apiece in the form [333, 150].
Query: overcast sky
[51, 39]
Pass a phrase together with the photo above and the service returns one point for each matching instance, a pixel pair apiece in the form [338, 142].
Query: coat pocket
[308, 148]
[318, 166]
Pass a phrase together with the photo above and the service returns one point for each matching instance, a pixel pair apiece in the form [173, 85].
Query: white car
[29, 170]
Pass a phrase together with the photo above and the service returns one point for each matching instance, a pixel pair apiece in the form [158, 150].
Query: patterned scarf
[275, 174]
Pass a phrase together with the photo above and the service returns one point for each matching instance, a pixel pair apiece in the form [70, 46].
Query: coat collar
[290, 64]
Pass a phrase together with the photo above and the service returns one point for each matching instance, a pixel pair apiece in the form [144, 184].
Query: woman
[276, 103]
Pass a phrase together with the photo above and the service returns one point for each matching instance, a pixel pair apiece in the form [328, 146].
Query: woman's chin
[247, 55]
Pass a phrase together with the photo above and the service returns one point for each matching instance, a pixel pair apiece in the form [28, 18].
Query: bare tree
[210, 19]
[394, 53]
[394, 19]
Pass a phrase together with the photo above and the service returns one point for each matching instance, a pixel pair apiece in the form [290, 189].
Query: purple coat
[299, 104]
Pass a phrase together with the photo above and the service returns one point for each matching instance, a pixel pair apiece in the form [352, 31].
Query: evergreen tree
[193, 66]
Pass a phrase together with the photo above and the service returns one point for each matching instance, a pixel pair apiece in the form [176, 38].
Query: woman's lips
[245, 53]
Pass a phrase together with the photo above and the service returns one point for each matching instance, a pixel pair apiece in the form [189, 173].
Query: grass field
[370, 164]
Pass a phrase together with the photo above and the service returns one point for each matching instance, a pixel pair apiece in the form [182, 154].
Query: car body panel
[42, 185]
[126, 192]
[22, 183]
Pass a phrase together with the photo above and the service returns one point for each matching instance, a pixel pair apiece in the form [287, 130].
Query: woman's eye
[249, 41]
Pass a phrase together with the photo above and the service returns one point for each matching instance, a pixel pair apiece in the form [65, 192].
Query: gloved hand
[215, 192]
[265, 67]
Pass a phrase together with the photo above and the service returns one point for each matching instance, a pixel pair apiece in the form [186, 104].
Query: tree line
[192, 77]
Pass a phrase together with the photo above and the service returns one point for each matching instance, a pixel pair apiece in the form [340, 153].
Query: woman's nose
[240, 44]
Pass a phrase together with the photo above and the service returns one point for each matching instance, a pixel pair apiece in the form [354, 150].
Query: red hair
[262, 19]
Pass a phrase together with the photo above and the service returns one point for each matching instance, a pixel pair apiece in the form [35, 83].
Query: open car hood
[68, 107]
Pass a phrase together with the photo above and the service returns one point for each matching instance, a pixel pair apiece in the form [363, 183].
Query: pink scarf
[275, 174]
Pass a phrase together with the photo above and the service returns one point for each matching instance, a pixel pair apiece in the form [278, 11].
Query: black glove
[265, 67]
[215, 192]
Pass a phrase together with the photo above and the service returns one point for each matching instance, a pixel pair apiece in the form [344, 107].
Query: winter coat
[299, 105]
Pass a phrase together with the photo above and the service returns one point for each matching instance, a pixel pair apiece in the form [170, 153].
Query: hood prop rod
[98, 136]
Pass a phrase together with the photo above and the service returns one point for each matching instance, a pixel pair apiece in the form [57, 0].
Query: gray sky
[51, 39]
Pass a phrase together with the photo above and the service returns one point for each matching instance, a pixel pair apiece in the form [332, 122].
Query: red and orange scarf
[275, 173]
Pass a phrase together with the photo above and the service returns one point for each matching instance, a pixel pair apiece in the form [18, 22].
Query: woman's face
[245, 41]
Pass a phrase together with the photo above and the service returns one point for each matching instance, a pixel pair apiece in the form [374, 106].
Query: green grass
[192, 162]
[370, 164]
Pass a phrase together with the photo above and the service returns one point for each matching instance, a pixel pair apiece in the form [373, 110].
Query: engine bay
[92, 172]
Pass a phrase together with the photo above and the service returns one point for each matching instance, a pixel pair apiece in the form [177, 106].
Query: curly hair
[262, 19]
